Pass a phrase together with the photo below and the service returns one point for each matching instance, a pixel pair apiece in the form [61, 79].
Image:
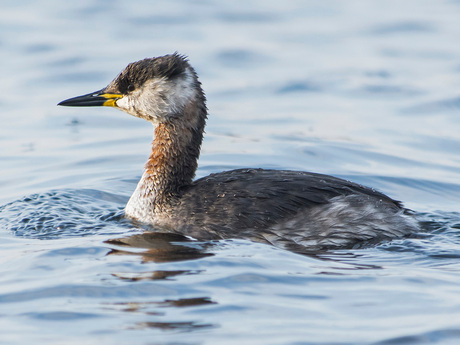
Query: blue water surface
[368, 91]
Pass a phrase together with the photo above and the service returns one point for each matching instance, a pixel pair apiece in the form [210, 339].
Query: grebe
[299, 211]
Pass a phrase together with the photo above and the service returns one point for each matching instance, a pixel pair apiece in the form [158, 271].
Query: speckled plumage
[290, 209]
[298, 211]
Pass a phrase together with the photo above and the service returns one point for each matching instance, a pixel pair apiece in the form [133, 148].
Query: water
[368, 91]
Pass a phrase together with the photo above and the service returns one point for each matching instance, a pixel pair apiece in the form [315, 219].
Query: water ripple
[65, 213]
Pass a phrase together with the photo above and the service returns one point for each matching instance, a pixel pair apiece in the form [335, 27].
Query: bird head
[155, 89]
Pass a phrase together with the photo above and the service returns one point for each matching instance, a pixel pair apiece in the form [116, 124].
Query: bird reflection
[179, 303]
[152, 309]
[160, 247]
[155, 275]
[173, 326]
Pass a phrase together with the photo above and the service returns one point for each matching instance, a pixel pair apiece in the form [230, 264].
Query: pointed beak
[95, 99]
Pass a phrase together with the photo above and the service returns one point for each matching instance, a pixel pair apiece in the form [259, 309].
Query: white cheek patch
[122, 103]
[159, 98]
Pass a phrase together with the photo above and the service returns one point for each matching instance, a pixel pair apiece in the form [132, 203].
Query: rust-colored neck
[174, 158]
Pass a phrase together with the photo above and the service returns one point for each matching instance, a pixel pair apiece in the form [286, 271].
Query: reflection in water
[181, 302]
[160, 247]
[155, 275]
[173, 326]
[149, 309]
[187, 302]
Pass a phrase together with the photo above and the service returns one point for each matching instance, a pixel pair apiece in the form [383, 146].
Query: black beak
[95, 99]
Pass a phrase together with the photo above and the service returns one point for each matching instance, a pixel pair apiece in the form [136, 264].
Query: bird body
[299, 211]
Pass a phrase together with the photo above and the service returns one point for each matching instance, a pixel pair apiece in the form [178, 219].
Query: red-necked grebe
[290, 209]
